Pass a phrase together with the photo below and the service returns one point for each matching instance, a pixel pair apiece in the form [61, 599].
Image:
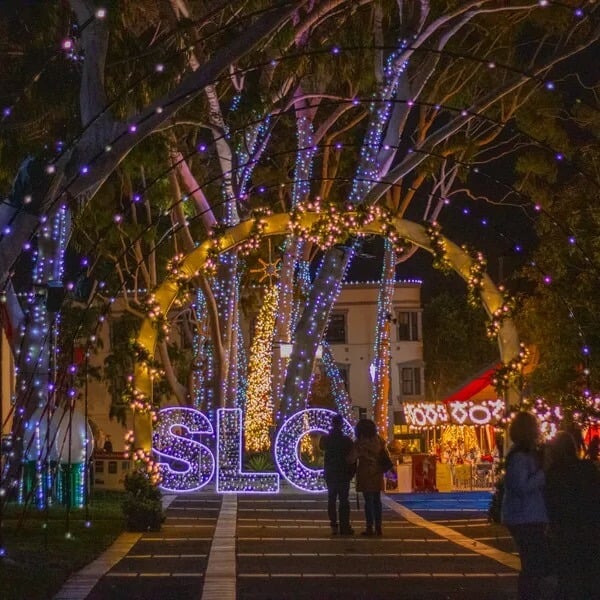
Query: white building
[351, 337]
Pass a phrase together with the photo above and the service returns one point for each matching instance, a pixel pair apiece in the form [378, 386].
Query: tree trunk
[310, 329]
[381, 346]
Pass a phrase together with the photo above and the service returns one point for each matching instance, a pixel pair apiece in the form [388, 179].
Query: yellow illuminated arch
[280, 224]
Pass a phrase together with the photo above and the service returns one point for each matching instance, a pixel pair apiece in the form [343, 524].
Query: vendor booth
[460, 434]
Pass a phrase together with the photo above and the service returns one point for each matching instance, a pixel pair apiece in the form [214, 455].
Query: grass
[40, 556]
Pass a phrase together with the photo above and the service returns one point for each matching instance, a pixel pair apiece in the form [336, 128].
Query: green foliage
[260, 462]
[36, 545]
[142, 505]
[560, 315]
[119, 363]
[455, 344]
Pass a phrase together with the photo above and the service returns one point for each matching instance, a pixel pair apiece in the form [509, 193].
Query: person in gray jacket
[523, 505]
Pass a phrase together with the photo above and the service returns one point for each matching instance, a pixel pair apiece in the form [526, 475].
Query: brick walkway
[263, 547]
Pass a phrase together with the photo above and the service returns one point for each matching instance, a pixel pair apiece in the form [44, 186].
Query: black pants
[338, 490]
[532, 544]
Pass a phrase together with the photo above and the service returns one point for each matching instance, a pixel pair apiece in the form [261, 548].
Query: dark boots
[369, 531]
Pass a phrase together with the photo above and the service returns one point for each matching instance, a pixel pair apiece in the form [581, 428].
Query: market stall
[460, 431]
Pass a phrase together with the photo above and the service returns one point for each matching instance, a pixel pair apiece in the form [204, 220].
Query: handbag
[384, 460]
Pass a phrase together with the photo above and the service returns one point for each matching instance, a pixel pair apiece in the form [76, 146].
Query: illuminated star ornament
[269, 269]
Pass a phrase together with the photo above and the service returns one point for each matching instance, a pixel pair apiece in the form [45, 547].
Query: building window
[344, 371]
[336, 330]
[408, 326]
[411, 381]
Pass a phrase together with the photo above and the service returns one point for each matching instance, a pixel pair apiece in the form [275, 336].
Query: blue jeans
[373, 509]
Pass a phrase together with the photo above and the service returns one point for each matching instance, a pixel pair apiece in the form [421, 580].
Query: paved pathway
[278, 547]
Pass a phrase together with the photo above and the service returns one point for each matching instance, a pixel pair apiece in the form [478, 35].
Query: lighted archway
[492, 299]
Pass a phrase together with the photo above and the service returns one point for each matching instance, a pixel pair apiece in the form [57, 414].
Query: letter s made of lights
[172, 442]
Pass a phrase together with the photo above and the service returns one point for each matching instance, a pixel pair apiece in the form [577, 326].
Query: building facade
[351, 337]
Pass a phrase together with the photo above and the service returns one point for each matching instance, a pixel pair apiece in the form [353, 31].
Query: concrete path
[278, 547]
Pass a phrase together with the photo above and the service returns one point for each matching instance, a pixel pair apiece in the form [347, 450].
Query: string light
[230, 477]
[194, 461]
[259, 403]
[287, 446]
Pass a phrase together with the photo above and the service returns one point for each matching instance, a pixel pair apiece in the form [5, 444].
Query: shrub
[142, 505]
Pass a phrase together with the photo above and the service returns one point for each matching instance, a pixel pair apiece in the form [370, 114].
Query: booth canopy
[479, 387]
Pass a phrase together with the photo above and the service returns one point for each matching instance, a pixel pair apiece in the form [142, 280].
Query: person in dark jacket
[369, 475]
[523, 508]
[573, 502]
[338, 473]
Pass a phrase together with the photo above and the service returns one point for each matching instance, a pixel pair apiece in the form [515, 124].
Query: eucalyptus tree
[110, 121]
[458, 78]
[559, 316]
[394, 113]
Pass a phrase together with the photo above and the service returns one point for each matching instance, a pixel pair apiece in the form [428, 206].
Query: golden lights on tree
[259, 404]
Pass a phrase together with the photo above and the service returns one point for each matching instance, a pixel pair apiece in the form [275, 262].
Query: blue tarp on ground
[445, 501]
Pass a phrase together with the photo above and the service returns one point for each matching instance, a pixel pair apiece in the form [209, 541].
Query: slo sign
[187, 465]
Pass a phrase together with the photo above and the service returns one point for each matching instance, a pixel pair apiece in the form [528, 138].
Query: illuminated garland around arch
[324, 224]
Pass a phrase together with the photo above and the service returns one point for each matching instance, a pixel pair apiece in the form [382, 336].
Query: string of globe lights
[85, 168]
[205, 253]
[68, 45]
[336, 51]
[203, 147]
[86, 171]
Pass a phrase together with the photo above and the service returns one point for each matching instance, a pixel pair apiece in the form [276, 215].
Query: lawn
[40, 555]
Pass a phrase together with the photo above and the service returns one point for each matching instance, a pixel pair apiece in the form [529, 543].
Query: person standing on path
[573, 502]
[338, 472]
[369, 475]
[523, 508]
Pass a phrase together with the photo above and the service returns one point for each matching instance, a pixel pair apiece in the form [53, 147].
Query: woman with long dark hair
[369, 476]
[573, 501]
[523, 505]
